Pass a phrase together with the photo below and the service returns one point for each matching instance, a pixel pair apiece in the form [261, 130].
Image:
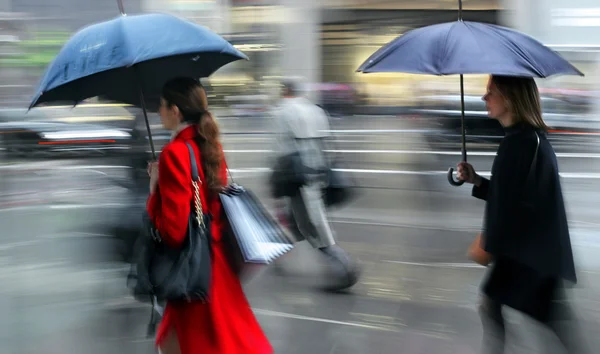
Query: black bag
[160, 272]
[338, 190]
[289, 174]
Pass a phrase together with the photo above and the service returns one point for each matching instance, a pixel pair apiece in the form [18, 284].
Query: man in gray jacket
[303, 127]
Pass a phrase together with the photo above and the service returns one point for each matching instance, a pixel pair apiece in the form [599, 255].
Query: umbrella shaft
[462, 118]
[121, 8]
[143, 105]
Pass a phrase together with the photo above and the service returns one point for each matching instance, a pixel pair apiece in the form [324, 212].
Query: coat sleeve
[503, 211]
[481, 192]
[169, 206]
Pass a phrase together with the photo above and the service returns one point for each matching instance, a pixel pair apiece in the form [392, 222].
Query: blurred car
[36, 139]
[441, 113]
[248, 105]
[86, 130]
[337, 99]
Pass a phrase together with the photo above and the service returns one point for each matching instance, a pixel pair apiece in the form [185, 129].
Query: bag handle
[532, 174]
[196, 182]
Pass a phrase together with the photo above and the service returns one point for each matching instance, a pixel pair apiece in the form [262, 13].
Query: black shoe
[345, 272]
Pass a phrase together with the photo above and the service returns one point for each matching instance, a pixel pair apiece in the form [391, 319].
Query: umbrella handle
[451, 178]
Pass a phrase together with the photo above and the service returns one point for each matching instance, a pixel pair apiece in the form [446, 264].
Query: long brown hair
[190, 97]
[523, 99]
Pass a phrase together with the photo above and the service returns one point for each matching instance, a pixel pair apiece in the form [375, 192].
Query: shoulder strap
[193, 163]
[197, 202]
[531, 175]
[530, 188]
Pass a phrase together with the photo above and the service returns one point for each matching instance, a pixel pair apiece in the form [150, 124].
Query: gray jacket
[302, 126]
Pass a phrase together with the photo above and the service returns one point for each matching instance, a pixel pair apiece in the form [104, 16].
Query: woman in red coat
[226, 323]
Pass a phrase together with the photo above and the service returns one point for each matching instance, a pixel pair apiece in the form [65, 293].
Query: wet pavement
[63, 290]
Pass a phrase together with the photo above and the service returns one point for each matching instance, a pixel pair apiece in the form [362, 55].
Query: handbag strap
[529, 183]
[532, 167]
[196, 182]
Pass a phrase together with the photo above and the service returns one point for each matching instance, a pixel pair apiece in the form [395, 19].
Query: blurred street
[408, 227]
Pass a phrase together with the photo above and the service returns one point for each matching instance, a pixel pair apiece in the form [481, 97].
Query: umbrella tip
[121, 7]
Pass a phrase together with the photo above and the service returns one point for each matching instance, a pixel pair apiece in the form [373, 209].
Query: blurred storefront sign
[252, 2]
[259, 15]
[213, 14]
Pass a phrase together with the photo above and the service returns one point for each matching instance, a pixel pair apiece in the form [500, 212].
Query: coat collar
[184, 132]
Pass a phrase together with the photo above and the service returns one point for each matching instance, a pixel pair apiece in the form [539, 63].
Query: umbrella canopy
[464, 47]
[118, 58]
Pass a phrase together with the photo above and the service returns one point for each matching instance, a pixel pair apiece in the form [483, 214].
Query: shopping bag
[255, 237]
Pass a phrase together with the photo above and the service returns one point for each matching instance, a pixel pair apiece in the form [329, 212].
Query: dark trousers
[561, 321]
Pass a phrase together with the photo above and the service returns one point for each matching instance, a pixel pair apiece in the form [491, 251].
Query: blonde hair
[523, 99]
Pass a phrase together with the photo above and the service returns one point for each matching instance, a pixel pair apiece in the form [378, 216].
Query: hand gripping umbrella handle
[456, 183]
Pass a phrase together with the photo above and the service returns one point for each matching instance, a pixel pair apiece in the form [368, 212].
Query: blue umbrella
[463, 47]
[130, 58]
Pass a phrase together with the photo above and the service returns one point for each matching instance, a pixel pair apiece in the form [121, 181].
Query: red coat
[226, 324]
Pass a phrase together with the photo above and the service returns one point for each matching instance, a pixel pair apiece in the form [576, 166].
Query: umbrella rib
[126, 41]
[446, 44]
[391, 47]
[468, 27]
[518, 50]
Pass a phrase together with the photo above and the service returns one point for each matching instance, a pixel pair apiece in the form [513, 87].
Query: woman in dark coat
[526, 233]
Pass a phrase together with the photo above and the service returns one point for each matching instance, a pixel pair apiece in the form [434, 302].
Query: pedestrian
[303, 128]
[225, 324]
[525, 233]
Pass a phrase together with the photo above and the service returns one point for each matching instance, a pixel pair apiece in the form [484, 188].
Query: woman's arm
[480, 188]
[169, 206]
[466, 173]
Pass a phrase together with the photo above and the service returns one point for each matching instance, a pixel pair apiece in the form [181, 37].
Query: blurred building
[323, 41]
[326, 40]
[351, 33]
[573, 29]
[70, 15]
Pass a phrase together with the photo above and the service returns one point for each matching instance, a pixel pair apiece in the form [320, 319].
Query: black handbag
[160, 272]
[339, 189]
[288, 176]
